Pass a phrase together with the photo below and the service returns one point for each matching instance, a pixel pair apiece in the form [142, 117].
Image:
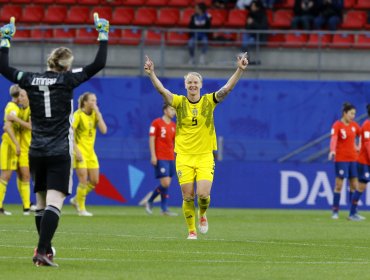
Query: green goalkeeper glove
[7, 32]
[102, 26]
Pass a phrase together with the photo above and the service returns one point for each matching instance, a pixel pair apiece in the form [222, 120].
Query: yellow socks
[81, 196]
[203, 204]
[188, 209]
[3, 185]
[24, 192]
[89, 188]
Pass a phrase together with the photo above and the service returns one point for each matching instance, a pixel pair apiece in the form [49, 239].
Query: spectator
[304, 14]
[257, 20]
[330, 14]
[243, 4]
[199, 20]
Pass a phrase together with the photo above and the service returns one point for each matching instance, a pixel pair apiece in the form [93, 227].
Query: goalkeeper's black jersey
[51, 102]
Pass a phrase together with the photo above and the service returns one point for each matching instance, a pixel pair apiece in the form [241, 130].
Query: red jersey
[364, 156]
[346, 140]
[164, 134]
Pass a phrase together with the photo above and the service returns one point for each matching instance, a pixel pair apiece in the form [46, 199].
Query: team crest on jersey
[179, 173]
[353, 129]
[163, 170]
[194, 111]
[341, 172]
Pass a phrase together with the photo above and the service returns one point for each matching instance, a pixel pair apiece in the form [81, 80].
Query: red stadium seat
[237, 18]
[185, 17]
[295, 40]
[363, 42]
[342, 41]
[122, 16]
[55, 14]
[168, 17]
[88, 2]
[86, 36]
[113, 2]
[104, 12]
[282, 19]
[319, 40]
[33, 13]
[22, 34]
[218, 17]
[179, 3]
[64, 33]
[354, 20]
[40, 34]
[78, 15]
[270, 17]
[43, 1]
[156, 3]
[153, 37]
[348, 4]
[131, 37]
[145, 16]
[362, 4]
[115, 36]
[275, 40]
[65, 1]
[21, 1]
[285, 4]
[138, 3]
[8, 11]
[177, 38]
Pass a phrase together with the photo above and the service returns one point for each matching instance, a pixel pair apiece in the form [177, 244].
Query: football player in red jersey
[161, 143]
[344, 152]
[363, 168]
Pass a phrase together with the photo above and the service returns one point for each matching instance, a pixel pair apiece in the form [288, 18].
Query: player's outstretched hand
[7, 32]
[148, 65]
[243, 61]
[102, 26]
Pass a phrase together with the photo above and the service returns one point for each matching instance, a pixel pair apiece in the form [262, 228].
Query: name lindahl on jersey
[43, 81]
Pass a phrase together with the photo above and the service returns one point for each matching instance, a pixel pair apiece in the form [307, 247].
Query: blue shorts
[363, 173]
[164, 168]
[346, 169]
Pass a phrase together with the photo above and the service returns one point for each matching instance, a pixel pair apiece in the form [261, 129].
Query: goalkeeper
[51, 102]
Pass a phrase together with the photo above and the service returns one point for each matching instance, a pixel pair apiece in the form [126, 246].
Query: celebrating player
[161, 138]
[51, 102]
[85, 121]
[363, 168]
[195, 138]
[343, 151]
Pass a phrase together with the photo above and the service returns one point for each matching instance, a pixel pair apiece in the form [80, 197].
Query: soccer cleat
[192, 235]
[42, 260]
[73, 202]
[355, 218]
[361, 217]
[169, 213]
[85, 213]
[335, 216]
[4, 212]
[33, 207]
[50, 254]
[203, 224]
[149, 207]
[26, 212]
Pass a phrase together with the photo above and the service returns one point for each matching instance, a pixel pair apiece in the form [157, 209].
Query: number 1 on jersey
[46, 91]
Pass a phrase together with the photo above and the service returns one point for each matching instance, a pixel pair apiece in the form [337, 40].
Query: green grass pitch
[125, 243]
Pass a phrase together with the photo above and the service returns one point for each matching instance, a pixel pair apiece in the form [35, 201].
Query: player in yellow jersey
[195, 138]
[23, 169]
[85, 121]
[10, 147]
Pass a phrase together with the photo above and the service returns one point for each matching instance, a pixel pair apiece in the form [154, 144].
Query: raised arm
[102, 26]
[149, 69]
[226, 89]
[6, 33]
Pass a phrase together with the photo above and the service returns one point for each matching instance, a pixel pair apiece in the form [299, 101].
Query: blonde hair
[14, 91]
[60, 59]
[83, 98]
[194, 74]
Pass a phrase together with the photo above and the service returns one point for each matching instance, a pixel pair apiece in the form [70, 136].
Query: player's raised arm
[102, 26]
[226, 89]
[149, 69]
[6, 33]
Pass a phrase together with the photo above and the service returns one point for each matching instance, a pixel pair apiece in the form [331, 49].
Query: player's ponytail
[347, 107]
[60, 59]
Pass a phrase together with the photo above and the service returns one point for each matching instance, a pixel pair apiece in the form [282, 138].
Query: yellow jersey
[85, 130]
[25, 134]
[12, 109]
[195, 128]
